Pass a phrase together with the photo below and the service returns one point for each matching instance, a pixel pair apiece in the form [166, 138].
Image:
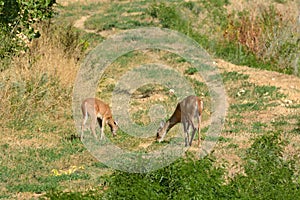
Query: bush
[17, 19]
[169, 17]
[184, 179]
[37, 87]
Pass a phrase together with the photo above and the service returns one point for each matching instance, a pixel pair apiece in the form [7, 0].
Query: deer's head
[161, 131]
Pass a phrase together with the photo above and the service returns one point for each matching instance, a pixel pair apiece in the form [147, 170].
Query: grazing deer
[98, 111]
[186, 111]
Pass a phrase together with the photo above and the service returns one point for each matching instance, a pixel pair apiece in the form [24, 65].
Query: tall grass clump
[264, 37]
[270, 34]
[36, 88]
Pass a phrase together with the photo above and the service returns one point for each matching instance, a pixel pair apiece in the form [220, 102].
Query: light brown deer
[98, 111]
[186, 111]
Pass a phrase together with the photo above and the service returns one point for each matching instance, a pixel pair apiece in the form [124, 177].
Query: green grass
[188, 178]
[39, 133]
[120, 16]
[233, 76]
[253, 97]
[191, 71]
[259, 127]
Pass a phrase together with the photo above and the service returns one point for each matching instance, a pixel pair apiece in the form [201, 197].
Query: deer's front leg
[102, 129]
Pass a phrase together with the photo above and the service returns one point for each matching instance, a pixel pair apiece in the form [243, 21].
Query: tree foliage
[17, 19]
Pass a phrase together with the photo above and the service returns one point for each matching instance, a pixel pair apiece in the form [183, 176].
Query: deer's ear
[116, 123]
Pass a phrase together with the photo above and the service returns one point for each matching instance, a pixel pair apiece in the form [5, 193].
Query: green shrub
[184, 179]
[268, 174]
[169, 17]
[17, 19]
[191, 71]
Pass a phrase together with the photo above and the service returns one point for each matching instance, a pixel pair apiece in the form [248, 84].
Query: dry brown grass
[82, 2]
[290, 8]
[47, 69]
[268, 29]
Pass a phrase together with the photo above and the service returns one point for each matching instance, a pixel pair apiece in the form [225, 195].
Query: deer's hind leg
[85, 118]
[199, 129]
[192, 136]
[93, 124]
[194, 129]
[186, 127]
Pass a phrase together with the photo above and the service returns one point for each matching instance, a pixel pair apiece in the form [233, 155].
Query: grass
[234, 76]
[187, 178]
[38, 133]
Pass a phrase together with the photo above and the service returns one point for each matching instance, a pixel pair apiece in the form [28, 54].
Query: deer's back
[100, 108]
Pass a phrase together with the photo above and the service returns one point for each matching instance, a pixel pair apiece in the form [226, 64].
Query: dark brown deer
[186, 111]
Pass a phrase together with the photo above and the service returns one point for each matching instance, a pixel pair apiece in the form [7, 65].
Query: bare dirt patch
[289, 84]
[82, 2]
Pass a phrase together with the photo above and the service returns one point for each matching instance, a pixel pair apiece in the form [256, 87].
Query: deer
[186, 111]
[98, 111]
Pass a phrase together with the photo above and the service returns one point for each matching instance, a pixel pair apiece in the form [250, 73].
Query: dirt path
[83, 2]
[80, 24]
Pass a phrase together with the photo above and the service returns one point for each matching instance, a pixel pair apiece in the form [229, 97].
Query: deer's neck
[174, 119]
[111, 122]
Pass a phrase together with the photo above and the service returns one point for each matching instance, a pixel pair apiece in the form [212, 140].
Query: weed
[249, 106]
[234, 76]
[235, 126]
[54, 194]
[268, 36]
[265, 170]
[169, 17]
[297, 129]
[233, 146]
[223, 139]
[72, 42]
[258, 127]
[191, 71]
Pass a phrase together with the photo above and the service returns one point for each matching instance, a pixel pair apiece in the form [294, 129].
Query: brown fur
[97, 109]
[184, 113]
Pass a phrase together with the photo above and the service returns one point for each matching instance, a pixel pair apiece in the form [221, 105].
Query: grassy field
[257, 153]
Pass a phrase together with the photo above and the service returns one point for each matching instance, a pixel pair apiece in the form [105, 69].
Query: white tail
[98, 111]
[186, 111]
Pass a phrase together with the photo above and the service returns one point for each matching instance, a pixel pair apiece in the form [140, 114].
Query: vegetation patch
[256, 155]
